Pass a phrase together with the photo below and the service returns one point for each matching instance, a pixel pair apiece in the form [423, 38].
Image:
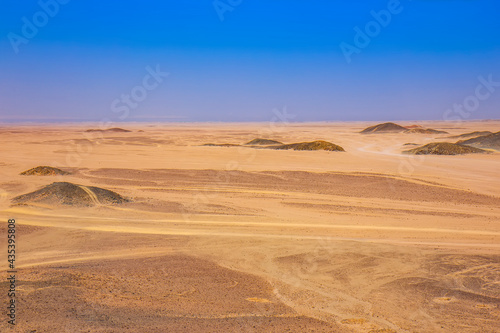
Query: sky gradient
[233, 60]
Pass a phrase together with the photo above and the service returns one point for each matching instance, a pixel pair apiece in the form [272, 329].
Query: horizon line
[116, 123]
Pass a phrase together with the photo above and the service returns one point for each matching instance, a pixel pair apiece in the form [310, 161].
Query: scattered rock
[44, 171]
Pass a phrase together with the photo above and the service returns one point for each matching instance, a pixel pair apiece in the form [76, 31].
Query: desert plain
[245, 239]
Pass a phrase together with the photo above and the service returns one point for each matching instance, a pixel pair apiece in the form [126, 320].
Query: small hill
[263, 142]
[64, 193]
[413, 126]
[44, 171]
[384, 128]
[315, 145]
[470, 135]
[443, 148]
[490, 141]
[113, 130]
[424, 131]
[221, 145]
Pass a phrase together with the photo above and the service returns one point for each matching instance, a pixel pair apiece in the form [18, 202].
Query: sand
[238, 239]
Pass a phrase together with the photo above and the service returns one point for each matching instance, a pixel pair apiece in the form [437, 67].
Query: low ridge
[419, 130]
[470, 135]
[221, 145]
[263, 142]
[490, 141]
[384, 128]
[113, 129]
[443, 148]
[314, 145]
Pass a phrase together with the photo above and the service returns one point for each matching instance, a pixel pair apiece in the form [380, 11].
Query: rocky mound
[384, 128]
[114, 129]
[418, 130]
[470, 135]
[490, 141]
[315, 145]
[64, 193]
[263, 142]
[44, 171]
[443, 148]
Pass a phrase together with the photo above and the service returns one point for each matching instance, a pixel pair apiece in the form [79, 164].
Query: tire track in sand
[91, 194]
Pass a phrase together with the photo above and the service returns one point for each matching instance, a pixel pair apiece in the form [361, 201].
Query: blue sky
[85, 56]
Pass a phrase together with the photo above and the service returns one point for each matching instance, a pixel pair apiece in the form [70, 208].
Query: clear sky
[237, 60]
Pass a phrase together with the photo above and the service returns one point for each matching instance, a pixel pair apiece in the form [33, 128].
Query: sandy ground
[236, 239]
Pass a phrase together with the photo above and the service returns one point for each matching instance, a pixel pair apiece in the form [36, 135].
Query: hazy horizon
[237, 61]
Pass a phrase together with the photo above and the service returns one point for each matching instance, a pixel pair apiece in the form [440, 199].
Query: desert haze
[253, 227]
